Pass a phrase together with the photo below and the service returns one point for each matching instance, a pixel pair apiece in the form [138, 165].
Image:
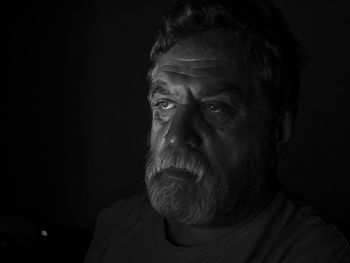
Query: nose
[182, 132]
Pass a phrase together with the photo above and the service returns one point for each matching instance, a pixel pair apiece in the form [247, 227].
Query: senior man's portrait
[177, 131]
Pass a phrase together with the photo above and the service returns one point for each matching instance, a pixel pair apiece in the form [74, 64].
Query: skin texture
[210, 120]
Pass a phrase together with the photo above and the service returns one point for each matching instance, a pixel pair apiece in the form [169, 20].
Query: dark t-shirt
[132, 231]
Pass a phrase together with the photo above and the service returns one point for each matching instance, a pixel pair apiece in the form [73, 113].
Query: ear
[284, 131]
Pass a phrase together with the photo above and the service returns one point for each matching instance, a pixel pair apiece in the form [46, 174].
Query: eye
[213, 108]
[165, 105]
[219, 108]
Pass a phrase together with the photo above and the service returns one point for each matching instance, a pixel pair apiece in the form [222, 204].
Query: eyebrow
[226, 88]
[158, 87]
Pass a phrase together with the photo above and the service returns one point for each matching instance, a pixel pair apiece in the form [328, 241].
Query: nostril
[194, 141]
[189, 139]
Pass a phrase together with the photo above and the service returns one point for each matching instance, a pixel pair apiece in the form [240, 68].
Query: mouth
[180, 174]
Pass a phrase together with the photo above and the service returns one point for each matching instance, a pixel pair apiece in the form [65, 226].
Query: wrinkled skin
[212, 142]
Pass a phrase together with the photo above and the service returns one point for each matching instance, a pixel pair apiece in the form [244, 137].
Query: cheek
[231, 147]
[157, 136]
[237, 149]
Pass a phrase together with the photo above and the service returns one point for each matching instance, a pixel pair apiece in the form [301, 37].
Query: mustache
[188, 160]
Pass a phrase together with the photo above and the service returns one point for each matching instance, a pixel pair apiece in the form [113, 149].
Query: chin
[180, 200]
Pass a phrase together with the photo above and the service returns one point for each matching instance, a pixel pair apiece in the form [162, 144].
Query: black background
[78, 118]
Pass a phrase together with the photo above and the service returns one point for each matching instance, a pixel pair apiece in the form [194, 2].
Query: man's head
[224, 85]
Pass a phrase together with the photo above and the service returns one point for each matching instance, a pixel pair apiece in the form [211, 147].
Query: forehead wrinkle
[195, 59]
[216, 78]
[197, 67]
[179, 85]
[184, 74]
[203, 72]
[166, 59]
[194, 62]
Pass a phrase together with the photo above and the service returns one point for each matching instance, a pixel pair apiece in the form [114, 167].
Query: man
[223, 95]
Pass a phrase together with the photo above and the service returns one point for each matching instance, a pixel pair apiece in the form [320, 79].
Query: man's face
[210, 142]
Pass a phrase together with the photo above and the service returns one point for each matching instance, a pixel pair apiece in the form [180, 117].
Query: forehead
[209, 44]
[203, 61]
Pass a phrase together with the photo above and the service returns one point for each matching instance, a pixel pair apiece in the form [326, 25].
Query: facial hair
[215, 198]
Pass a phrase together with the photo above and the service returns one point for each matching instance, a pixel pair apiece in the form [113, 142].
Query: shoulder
[122, 210]
[308, 236]
[118, 218]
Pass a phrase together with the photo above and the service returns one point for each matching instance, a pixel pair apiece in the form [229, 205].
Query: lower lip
[180, 174]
